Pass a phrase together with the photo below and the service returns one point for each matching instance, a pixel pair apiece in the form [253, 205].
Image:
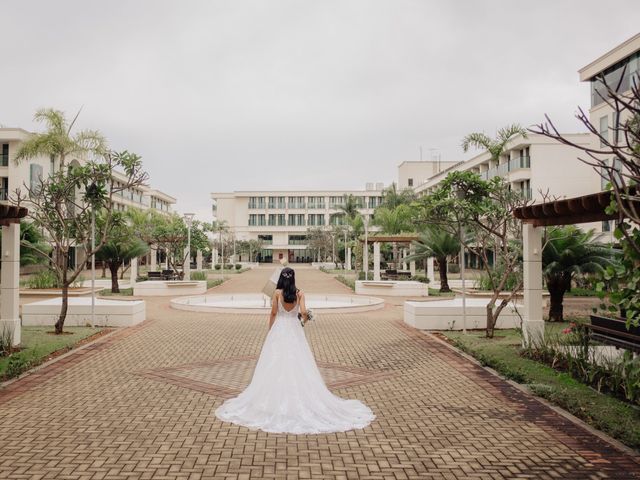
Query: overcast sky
[271, 94]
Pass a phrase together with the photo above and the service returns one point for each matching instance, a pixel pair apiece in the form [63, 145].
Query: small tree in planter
[170, 234]
[62, 204]
[439, 244]
[480, 214]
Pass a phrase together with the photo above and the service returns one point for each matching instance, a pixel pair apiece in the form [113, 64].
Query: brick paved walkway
[139, 405]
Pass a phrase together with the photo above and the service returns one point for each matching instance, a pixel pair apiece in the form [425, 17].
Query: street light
[460, 194]
[92, 194]
[365, 255]
[188, 219]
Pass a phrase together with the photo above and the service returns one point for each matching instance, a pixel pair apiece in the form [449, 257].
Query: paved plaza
[139, 404]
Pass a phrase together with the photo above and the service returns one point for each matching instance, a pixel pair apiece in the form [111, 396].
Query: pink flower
[567, 330]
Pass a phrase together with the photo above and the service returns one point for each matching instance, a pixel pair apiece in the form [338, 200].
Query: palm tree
[495, 146]
[393, 198]
[393, 222]
[57, 142]
[435, 242]
[568, 252]
[350, 206]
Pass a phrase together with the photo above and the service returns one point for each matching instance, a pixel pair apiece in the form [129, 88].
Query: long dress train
[287, 393]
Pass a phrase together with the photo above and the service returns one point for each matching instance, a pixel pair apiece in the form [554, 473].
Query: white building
[280, 218]
[414, 173]
[14, 176]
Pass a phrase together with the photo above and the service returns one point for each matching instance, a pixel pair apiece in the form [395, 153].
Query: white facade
[414, 173]
[280, 218]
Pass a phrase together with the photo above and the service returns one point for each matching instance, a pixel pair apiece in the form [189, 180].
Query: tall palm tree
[392, 197]
[394, 221]
[57, 142]
[495, 146]
[349, 206]
[568, 252]
[435, 242]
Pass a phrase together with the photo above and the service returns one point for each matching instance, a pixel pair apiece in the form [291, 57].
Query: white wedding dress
[287, 393]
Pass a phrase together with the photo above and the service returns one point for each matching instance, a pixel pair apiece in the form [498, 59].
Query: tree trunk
[104, 270]
[63, 310]
[113, 268]
[491, 320]
[444, 280]
[557, 285]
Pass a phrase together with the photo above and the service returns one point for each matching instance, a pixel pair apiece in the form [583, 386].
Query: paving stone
[140, 404]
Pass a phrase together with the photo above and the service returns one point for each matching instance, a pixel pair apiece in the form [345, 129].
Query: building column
[431, 273]
[348, 259]
[10, 282]
[133, 272]
[365, 260]
[214, 258]
[412, 263]
[199, 260]
[186, 268]
[153, 263]
[404, 259]
[376, 261]
[533, 324]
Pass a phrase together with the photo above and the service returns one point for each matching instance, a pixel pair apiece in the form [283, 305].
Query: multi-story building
[13, 176]
[280, 219]
[619, 68]
[414, 173]
[534, 165]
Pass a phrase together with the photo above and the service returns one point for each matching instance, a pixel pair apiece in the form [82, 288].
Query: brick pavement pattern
[140, 405]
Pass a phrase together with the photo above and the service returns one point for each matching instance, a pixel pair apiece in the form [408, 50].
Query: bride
[287, 393]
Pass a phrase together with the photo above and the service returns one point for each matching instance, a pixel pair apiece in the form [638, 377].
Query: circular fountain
[260, 303]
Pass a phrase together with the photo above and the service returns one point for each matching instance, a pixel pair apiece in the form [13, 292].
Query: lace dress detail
[287, 393]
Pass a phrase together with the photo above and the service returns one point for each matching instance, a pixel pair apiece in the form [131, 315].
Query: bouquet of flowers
[302, 317]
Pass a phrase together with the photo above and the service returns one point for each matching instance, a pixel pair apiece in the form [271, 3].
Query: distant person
[287, 393]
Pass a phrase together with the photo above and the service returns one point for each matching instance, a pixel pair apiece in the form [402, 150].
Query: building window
[4, 158]
[297, 239]
[320, 219]
[252, 219]
[272, 219]
[35, 177]
[261, 220]
[410, 182]
[604, 130]
[266, 239]
[606, 226]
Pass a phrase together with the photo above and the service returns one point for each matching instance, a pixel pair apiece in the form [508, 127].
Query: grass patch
[124, 292]
[581, 292]
[214, 283]
[38, 345]
[434, 292]
[349, 282]
[608, 414]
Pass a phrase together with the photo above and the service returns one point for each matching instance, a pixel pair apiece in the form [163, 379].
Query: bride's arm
[303, 307]
[274, 309]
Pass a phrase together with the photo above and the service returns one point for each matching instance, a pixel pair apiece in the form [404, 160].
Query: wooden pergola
[570, 211]
[10, 217]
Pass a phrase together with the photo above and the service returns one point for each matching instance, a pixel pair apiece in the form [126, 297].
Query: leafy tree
[61, 206]
[32, 242]
[568, 252]
[495, 146]
[480, 214]
[121, 246]
[349, 206]
[436, 243]
[170, 234]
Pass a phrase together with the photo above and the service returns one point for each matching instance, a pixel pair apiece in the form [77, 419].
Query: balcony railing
[519, 162]
[4, 194]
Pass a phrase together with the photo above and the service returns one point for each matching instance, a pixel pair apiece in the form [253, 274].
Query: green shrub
[238, 266]
[218, 266]
[43, 279]
[453, 268]
[347, 281]
[198, 275]
[17, 365]
[420, 278]
[486, 282]
[6, 341]
[228, 266]
[213, 283]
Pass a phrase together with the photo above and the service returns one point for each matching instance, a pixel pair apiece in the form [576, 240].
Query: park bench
[154, 275]
[613, 331]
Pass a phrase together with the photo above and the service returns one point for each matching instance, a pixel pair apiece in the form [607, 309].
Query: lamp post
[92, 193]
[460, 194]
[188, 219]
[365, 253]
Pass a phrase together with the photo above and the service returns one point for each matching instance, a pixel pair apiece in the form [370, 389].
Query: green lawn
[125, 292]
[617, 418]
[38, 344]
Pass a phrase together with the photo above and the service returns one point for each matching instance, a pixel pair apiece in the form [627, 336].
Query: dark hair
[287, 283]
